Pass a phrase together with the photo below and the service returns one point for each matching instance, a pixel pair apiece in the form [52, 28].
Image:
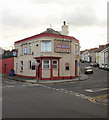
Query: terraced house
[48, 55]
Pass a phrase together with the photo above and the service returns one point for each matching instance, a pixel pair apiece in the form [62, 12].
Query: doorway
[38, 69]
[5, 68]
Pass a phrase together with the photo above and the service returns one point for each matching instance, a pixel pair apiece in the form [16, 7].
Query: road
[65, 100]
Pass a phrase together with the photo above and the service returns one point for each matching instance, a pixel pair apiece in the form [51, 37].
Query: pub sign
[62, 47]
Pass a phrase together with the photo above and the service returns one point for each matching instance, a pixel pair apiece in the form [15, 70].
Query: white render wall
[103, 57]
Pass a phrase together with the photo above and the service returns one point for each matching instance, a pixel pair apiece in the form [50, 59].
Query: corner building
[47, 56]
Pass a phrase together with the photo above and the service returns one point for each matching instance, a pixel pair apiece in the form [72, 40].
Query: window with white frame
[55, 64]
[46, 64]
[46, 46]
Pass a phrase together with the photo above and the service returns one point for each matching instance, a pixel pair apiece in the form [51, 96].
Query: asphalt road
[65, 100]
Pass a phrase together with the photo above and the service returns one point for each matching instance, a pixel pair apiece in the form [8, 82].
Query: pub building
[47, 56]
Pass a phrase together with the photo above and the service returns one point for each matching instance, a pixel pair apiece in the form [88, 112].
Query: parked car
[91, 64]
[94, 64]
[88, 70]
[106, 67]
[102, 66]
[82, 61]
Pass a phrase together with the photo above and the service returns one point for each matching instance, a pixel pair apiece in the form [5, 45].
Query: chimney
[64, 29]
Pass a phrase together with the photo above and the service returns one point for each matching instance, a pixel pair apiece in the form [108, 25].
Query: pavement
[35, 81]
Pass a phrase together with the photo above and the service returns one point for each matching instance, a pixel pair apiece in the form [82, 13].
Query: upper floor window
[29, 48]
[77, 49]
[25, 49]
[46, 46]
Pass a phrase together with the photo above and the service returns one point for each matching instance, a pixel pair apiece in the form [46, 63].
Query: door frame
[39, 68]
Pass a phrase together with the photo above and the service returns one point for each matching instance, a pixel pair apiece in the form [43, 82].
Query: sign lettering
[63, 47]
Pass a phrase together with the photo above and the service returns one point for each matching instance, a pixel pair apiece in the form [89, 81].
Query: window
[33, 67]
[29, 48]
[29, 64]
[77, 49]
[66, 67]
[55, 64]
[46, 64]
[25, 50]
[21, 65]
[21, 49]
[46, 46]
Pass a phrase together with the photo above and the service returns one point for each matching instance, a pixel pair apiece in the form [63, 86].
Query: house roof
[50, 30]
[48, 33]
[92, 50]
[102, 47]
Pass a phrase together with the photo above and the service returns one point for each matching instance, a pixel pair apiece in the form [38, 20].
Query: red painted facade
[6, 64]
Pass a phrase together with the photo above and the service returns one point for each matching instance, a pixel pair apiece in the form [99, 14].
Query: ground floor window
[55, 64]
[29, 64]
[21, 66]
[46, 64]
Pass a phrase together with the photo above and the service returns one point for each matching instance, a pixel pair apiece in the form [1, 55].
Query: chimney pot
[64, 22]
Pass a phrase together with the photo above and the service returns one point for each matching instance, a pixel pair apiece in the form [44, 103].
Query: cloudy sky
[87, 20]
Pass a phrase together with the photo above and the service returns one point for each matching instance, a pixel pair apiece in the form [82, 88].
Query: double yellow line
[96, 99]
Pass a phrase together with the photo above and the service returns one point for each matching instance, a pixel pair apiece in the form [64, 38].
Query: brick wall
[6, 65]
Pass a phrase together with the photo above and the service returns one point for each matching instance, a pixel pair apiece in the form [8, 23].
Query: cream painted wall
[26, 70]
[36, 49]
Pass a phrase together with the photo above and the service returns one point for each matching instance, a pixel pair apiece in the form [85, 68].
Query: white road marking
[96, 90]
[72, 93]
[49, 87]
[30, 85]
[61, 89]
[66, 91]
[9, 86]
[57, 89]
[53, 88]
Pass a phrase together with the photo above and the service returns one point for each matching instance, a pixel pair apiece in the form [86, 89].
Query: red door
[39, 70]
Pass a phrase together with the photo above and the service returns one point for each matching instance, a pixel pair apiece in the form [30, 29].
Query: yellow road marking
[94, 99]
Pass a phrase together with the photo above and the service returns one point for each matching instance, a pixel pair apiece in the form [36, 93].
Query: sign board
[62, 47]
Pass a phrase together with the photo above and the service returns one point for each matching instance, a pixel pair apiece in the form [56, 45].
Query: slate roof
[50, 30]
[102, 47]
[48, 33]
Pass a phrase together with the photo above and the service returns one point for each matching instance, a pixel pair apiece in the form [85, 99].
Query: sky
[87, 20]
